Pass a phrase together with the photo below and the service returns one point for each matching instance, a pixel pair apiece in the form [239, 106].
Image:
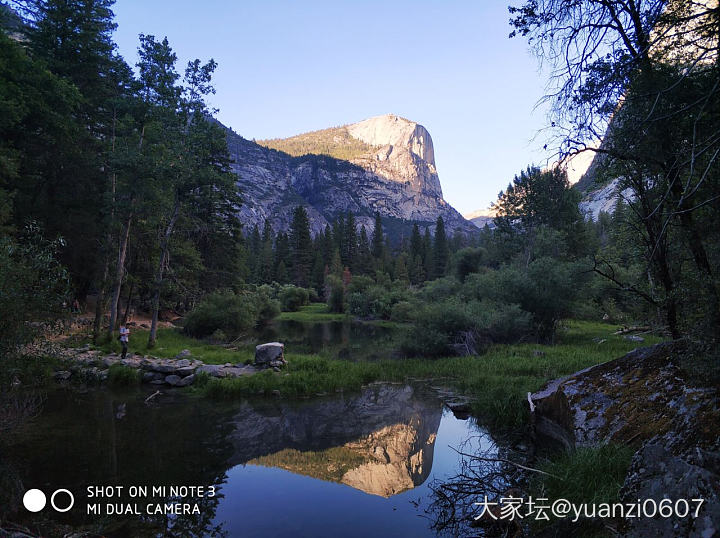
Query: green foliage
[315, 312]
[123, 376]
[441, 251]
[546, 289]
[656, 99]
[467, 260]
[497, 382]
[266, 305]
[301, 247]
[456, 326]
[172, 341]
[336, 302]
[232, 313]
[402, 312]
[376, 301]
[589, 475]
[34, 287]
[292, 298]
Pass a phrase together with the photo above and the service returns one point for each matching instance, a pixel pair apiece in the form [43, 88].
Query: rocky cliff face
[387, 165]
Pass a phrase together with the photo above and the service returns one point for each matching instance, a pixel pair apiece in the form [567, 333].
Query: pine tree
[428, 262]
[339, 234]
[416, 243]
[400, 270]
[441, 252]
[364, 257]
[267, 257]
[336, 266]
[328, 246]
[254, 251]
[282, 257]
[301, 247]
[350, 241]
[378, 239]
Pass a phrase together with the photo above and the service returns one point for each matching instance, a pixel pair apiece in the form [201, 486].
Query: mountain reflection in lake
[345, 465]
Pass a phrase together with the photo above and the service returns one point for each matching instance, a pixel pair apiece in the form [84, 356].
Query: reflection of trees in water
[482, 475]
[17, 409]
[82, 440]
[343, 339]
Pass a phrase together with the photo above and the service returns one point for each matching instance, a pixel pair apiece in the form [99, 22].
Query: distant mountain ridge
[384, 164]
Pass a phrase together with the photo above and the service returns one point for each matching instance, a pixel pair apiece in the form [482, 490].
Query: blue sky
[291, 67]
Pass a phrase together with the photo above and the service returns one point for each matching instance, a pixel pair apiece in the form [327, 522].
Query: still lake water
[355, 464]
[338, 339]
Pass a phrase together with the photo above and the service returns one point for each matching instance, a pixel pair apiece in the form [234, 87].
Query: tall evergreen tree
[378, 238]
[349, 241]
[441, 252]
[364, 257]
[428, 259]
[301, 247]
[267, 256]
[282, 257]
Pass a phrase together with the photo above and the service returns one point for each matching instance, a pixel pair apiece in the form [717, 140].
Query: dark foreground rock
[643, 400]
[656, 473]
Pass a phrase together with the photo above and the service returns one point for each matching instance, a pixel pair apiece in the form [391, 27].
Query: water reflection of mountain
[380, 442]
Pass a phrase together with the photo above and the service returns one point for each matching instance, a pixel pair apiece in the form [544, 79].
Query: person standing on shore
[124, 339]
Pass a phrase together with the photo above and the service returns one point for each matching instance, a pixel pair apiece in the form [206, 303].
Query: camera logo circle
[34, 500]
[68, 507]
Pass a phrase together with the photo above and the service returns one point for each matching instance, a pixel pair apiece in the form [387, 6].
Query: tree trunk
[702, 262]
[119, 271]
[159, 273]
[127, 306]
[100, 302]
[105, 251]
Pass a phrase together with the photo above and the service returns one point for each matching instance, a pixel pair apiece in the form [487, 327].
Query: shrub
[435, 328]
[313, 296]
[403, 311]
[376, 301]
[455, 326]
[359, 284]
[292, 298]
[219, 337]
[546, 288]
[266, 307]
[439, 289]
[33, 286]
[466, 261]
[231, 313]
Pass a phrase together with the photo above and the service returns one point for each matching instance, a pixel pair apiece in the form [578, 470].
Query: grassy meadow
[497, 381]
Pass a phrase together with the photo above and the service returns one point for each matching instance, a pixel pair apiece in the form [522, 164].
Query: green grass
[123, 376]
[588, 475]
[498, 381]
[313, 312]
[170, 342]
